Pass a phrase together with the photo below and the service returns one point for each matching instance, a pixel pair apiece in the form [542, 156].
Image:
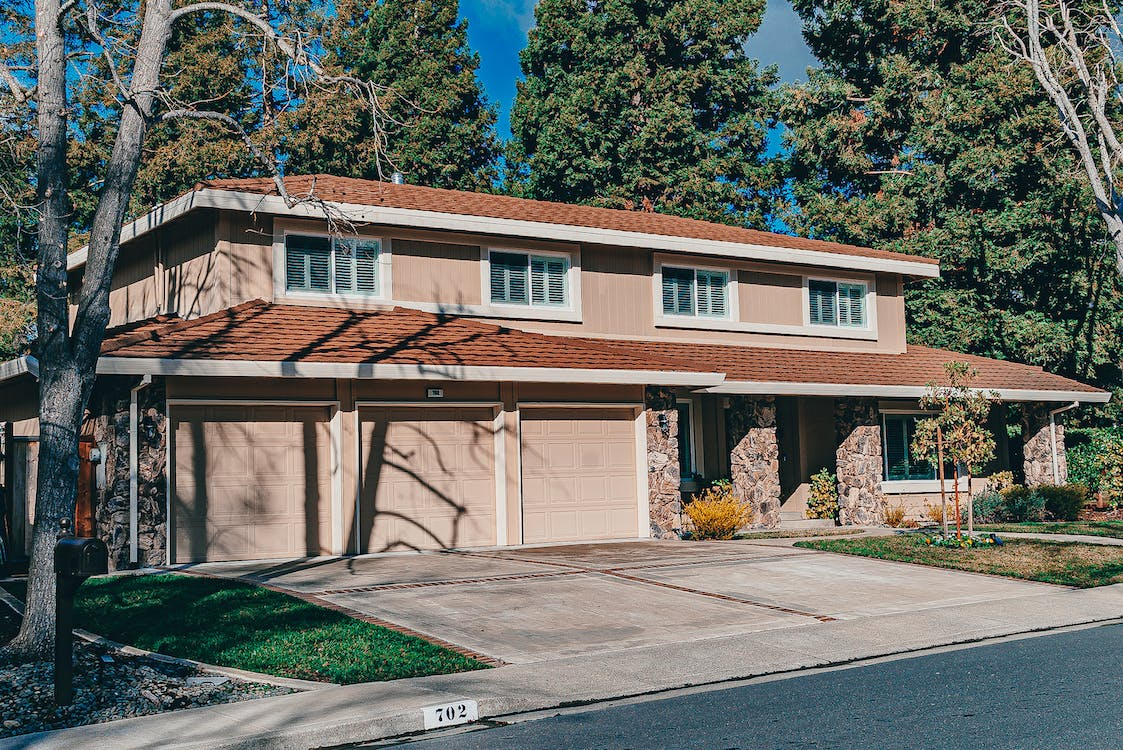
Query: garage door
[250, 482]
[428, 478]
[579, 474]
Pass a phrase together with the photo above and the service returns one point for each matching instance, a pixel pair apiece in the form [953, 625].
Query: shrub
[1000, 480]
[1095, 459]
[893, 516]
[990, 507]
[823, 499]
[1064, 501]
[934, 513]
[718, 513]
[1021, 504]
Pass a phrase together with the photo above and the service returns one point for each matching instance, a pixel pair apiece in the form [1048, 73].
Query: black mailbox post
[76, 559]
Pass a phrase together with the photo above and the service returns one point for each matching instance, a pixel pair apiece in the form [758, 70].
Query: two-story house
[433, 368]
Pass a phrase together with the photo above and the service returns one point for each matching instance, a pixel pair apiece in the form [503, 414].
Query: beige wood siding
[770, 298]
[247, 245]
[196, 275]
[136, 291]
[436, 272]
[250, 482]
[579, 474]
[427, 477]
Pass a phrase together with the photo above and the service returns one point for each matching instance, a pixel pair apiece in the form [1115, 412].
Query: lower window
[901, 465]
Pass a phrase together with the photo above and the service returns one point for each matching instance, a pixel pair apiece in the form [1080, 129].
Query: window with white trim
[901, 464]
[332, 265]
[837, 303]
[532, 280]
[694, 292]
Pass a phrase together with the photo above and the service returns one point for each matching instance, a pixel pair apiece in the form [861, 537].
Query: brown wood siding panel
[616, 296]
[194, 267]
[250, 482]
[248, 247]
[135, 292]
[891, 312]
[428, 478]
[436, 272]
[770, 298]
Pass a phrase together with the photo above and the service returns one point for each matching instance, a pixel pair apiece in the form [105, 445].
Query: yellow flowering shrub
[717, 513]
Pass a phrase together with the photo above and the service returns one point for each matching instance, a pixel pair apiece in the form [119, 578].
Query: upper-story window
[526, 279]
[837, 303]
[695, 292]
[331, 265]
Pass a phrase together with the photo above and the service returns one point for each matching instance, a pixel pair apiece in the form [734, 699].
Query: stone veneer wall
[664, 500]
[859, 463]
[109, 426]
[1038, 456]
[754, 456]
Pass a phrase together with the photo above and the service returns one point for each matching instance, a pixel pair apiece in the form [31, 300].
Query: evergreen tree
[651, 104]
[917, 134]
[439, 128]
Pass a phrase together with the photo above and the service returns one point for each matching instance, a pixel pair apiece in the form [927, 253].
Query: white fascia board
[366, 371]
[404, 217]
[13, 368]
[895, 391]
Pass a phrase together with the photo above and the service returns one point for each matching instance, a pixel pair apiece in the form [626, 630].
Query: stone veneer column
[754, 456]
[109, 419]
[1038, 455]
[664, 500]
[859, 463]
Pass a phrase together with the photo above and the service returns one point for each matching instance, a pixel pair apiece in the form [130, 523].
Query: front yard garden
[1068, 564]
[1088, 528]
[233, 624]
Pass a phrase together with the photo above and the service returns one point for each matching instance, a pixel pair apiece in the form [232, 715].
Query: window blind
[509, 278]
[307, 263]
[821, 298]
[547, 280]
[852, 305]
[712, 291]
[678, 291]
[356, 267]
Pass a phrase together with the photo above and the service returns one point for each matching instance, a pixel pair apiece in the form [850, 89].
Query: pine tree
[651, 104]
[917, 134]
[439, 129]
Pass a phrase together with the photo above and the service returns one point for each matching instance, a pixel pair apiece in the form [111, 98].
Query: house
[432, 369]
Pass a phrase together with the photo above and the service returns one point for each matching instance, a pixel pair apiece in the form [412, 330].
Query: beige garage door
[250, 482]
[579, 474]
[428, 478]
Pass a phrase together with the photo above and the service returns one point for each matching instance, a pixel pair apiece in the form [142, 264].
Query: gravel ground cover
[106, 690]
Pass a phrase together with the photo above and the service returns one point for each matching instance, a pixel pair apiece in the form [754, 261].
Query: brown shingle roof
[260, 331]
[416, 197]
[265, 332]
[918, 366]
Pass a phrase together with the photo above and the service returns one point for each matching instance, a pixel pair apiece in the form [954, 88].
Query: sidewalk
[357, 713]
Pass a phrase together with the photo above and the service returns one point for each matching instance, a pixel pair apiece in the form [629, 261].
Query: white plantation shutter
[548, 281]
[712, 293]
[307, 263]
[678, 291]
[509, 278]
[852, 305]
[822, 298]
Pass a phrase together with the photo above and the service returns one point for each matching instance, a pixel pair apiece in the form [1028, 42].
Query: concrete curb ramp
[371, 711]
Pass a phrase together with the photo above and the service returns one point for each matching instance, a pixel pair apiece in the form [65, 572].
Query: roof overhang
[14, 368]
[416, 219]
[368, 371]
[897, 391]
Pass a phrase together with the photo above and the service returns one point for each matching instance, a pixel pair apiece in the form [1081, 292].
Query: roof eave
[365, 214]
[743, 387]
[14, 368]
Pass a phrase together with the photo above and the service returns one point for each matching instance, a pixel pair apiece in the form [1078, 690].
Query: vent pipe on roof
[398, 178]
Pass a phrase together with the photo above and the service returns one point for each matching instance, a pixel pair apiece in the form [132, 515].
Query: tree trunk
[970, 508]
[958, 522]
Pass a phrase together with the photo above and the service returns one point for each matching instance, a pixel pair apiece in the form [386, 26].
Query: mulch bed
[104, 691]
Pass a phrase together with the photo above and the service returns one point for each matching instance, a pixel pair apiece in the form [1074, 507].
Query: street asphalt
[1056, 691]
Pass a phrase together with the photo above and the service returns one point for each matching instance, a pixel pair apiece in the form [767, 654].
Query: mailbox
[81, 558]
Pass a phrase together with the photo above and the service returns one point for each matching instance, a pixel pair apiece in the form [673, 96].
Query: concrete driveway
[536, 604]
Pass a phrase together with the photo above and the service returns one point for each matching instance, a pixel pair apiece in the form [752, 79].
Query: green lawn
[796, 533]
[1069, 564]
[238, 625]
[1089, 528]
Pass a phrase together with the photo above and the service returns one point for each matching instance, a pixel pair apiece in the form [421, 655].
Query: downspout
[1053, 438]
[134, 546]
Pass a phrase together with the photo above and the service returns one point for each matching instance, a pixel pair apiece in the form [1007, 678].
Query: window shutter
[509, 278]
[712, 293]
[822, 301]
[548, 281]
[896, 448]
[307, 263]
[366, 266]
[678, 291]
[344, 267]
[852, 305]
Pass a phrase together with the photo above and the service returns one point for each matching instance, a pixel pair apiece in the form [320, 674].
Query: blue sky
[497, 30]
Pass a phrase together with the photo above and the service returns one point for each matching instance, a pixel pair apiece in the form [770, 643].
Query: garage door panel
[579, 476]
[428, 477]
[258, 487]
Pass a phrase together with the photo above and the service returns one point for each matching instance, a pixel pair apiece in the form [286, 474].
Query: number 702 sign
[450, 714]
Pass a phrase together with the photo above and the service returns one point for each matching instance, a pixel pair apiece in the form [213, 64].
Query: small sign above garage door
[578, 474]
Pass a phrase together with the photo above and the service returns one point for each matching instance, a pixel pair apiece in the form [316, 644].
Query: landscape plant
[956, 433]
[717, 513]
[822, 498]
[1095, 459]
